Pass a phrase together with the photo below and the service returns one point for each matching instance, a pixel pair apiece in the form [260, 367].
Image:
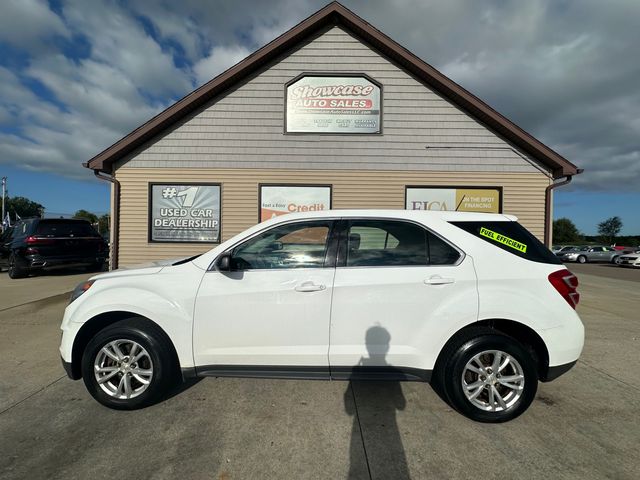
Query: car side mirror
[223, 262]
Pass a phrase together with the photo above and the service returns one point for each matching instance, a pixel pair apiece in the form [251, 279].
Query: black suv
[43, 243]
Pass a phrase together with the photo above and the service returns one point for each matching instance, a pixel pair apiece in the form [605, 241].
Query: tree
[104, 222]
[565, 231]
[86, 215]
[23, 207]
[609, 229]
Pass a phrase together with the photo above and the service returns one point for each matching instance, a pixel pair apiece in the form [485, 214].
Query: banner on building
[333, 104]
[282, 199]
[460, 199]
[184, 213]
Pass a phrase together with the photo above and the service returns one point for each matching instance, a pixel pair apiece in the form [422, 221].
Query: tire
[582, 259]
[155, 365]
[616, 260]
[14, 271]
[454, 376]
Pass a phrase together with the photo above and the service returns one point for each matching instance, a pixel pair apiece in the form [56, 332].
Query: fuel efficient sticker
[509, 242]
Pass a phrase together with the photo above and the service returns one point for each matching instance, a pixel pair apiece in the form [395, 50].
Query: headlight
[80, 289]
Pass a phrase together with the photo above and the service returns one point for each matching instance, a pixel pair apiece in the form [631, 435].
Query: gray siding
[244, 128]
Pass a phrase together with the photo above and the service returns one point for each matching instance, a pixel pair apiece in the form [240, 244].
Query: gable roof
[336, 14]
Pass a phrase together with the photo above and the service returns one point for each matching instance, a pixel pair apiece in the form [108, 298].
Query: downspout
[547, 206]
[115, 217]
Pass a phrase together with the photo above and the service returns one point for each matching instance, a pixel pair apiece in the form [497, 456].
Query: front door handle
[438, 280]
[309, 287]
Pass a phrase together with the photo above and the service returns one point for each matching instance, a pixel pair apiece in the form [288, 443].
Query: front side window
[295, 245]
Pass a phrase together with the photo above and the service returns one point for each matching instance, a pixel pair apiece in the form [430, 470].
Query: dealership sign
[462, 199]
[328, 104]
[184, 213]
[278, 200]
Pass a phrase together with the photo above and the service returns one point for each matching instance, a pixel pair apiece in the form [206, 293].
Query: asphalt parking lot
[584, 425]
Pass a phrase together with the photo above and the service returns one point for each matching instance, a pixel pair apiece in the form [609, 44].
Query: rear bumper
[68, 368]
[38, 261]
[558, 370]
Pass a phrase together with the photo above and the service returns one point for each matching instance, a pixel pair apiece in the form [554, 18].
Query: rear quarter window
[510, 237]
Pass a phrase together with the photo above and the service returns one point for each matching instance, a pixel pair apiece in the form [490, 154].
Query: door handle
[438, 280]
[309, 287]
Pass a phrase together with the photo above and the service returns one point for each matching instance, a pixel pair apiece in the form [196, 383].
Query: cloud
[218, 60]
[29, 24]
[561, 70]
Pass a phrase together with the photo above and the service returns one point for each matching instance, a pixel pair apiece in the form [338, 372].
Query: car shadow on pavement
[373, 406]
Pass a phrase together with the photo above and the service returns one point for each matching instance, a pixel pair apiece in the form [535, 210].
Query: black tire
[616, 260]
[460, 350]
[582, 259]
[160, 351]
[14, 270]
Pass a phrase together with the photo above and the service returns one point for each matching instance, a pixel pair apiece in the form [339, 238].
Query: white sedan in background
[630, 259]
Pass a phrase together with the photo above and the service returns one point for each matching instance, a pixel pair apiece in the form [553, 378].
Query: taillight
[32, 240]
[566, 283]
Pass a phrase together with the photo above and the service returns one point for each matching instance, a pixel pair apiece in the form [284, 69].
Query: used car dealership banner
[281, 199]
[317, 104]
[184, 213]
[463, 199]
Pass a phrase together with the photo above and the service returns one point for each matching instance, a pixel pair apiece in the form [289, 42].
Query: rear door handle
[438, 280]
[309, 287]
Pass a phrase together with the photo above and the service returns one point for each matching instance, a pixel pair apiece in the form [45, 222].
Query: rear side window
[377, 243]
[61, 228]
[510, 237]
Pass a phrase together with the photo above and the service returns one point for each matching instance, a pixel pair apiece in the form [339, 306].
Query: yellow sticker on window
[509, 242]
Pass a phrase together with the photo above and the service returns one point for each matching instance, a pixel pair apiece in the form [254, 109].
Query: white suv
[471, 302]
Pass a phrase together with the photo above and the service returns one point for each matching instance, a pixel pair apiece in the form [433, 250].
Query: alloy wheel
[493, 381]
[123, 369]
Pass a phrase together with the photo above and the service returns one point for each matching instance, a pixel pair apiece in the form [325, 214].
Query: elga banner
[184, 213]
[327, 104]
[281, 199]
[463, 199]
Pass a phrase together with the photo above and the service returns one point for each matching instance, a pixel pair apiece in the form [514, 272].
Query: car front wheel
[582, 259]
[128, 365]
[488, 376]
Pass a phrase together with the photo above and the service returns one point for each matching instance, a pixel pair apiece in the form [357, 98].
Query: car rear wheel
[14, 270]
[488, 376]
[128, 365]
[582, 259]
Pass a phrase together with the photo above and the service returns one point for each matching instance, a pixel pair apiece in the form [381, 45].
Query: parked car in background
[36, 244]
[563, 248]
[470, 301]
[591, 254]
[630, 259]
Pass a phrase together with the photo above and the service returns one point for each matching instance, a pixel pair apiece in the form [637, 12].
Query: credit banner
[333, 105]
[463, 199]
[185, 213]
[282, 199]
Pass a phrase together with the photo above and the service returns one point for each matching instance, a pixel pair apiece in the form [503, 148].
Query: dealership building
[332, 114]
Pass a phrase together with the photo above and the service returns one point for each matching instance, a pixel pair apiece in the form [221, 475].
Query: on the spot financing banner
[465, 199]
[185, 213]
[317, 104]
[282, 199]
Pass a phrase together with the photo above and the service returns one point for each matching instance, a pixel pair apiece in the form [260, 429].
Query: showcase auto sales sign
[328, 104]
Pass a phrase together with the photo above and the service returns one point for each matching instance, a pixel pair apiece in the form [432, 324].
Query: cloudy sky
[77, 75]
